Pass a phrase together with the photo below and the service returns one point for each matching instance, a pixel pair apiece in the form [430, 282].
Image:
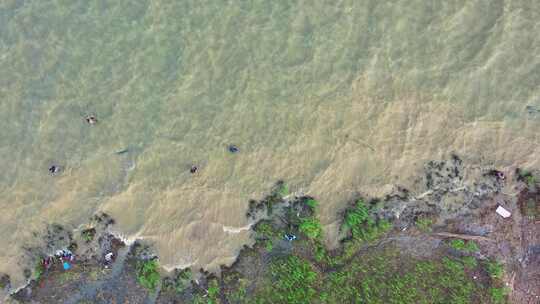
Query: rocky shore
[446, 245]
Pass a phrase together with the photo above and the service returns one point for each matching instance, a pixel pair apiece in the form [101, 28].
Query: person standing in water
[54, 169]
[91, 119]
[233, 149]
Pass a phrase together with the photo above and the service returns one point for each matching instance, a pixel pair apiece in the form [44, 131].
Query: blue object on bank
[290, 237]
[66, 266]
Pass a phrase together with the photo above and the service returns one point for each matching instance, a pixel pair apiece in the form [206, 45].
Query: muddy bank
[400, 241]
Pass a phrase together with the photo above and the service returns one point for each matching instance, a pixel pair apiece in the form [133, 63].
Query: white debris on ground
[109, 256]
[503, 212]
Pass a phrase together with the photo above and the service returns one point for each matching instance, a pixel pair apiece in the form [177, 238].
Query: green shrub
[213, 291]
[269, 245]
[494, 269]
[498, 295]
[465, 246]
[180, 281]
[424, 224]
[239, 294]
[457, 244]
[469, 262]
[311, 228]
[282, 189]
[265, 230]
[531, 180]
[312, 203]
[147, 274]
[385, 278]
[471, 246]
[293, 281]
[362, 225]
[357, 216]
[38, 270]
[88, 234]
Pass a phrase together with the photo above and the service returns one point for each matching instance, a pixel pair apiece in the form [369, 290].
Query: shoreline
[401, 209]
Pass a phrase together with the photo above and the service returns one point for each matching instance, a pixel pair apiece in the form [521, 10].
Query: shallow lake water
[334, 97]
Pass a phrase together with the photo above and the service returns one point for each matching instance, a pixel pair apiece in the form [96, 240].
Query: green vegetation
[179, 281]
[213, 291]
[469, 262]
[266, 234]
[95, 274]
[292, 280]
[461, 245]
[494, 269]
[384, 278]
[499, 295]
[364, 270]
[88, 234]
[282, 189]
[312, 203]
[362, 227]
[4, 280]
[69, 276]
[375, 277]
[527, 177]
[498, 292]
[363, 273]
[38, 270]
[147, 274]
[361, 224]
[424, 224]
[530, 209]
[237, 292]
[311, 228]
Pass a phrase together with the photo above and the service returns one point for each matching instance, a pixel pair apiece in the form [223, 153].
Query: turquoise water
[335, 97]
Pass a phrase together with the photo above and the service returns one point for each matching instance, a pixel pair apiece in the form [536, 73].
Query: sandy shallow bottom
[334, 98]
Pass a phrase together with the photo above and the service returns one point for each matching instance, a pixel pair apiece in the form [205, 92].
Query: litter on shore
[503, 212]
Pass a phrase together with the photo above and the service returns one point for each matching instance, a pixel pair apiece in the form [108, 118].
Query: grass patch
[38, 270]
[424, 224]
[292, 281]
[361, 224]
[179, 281]
[312, 203]
[88, 234]
[69, 276]
[266, 234]
[494, 269]
[527, 177]
[469, 262]
[213, 291]
[499, 295]
[311, 228]
[282, 189]
[147, 274]
[95, 274]
[385, 278]
[465, 246]
[498, 292]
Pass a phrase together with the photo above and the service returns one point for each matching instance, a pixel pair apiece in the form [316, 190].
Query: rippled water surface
[334, 97]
